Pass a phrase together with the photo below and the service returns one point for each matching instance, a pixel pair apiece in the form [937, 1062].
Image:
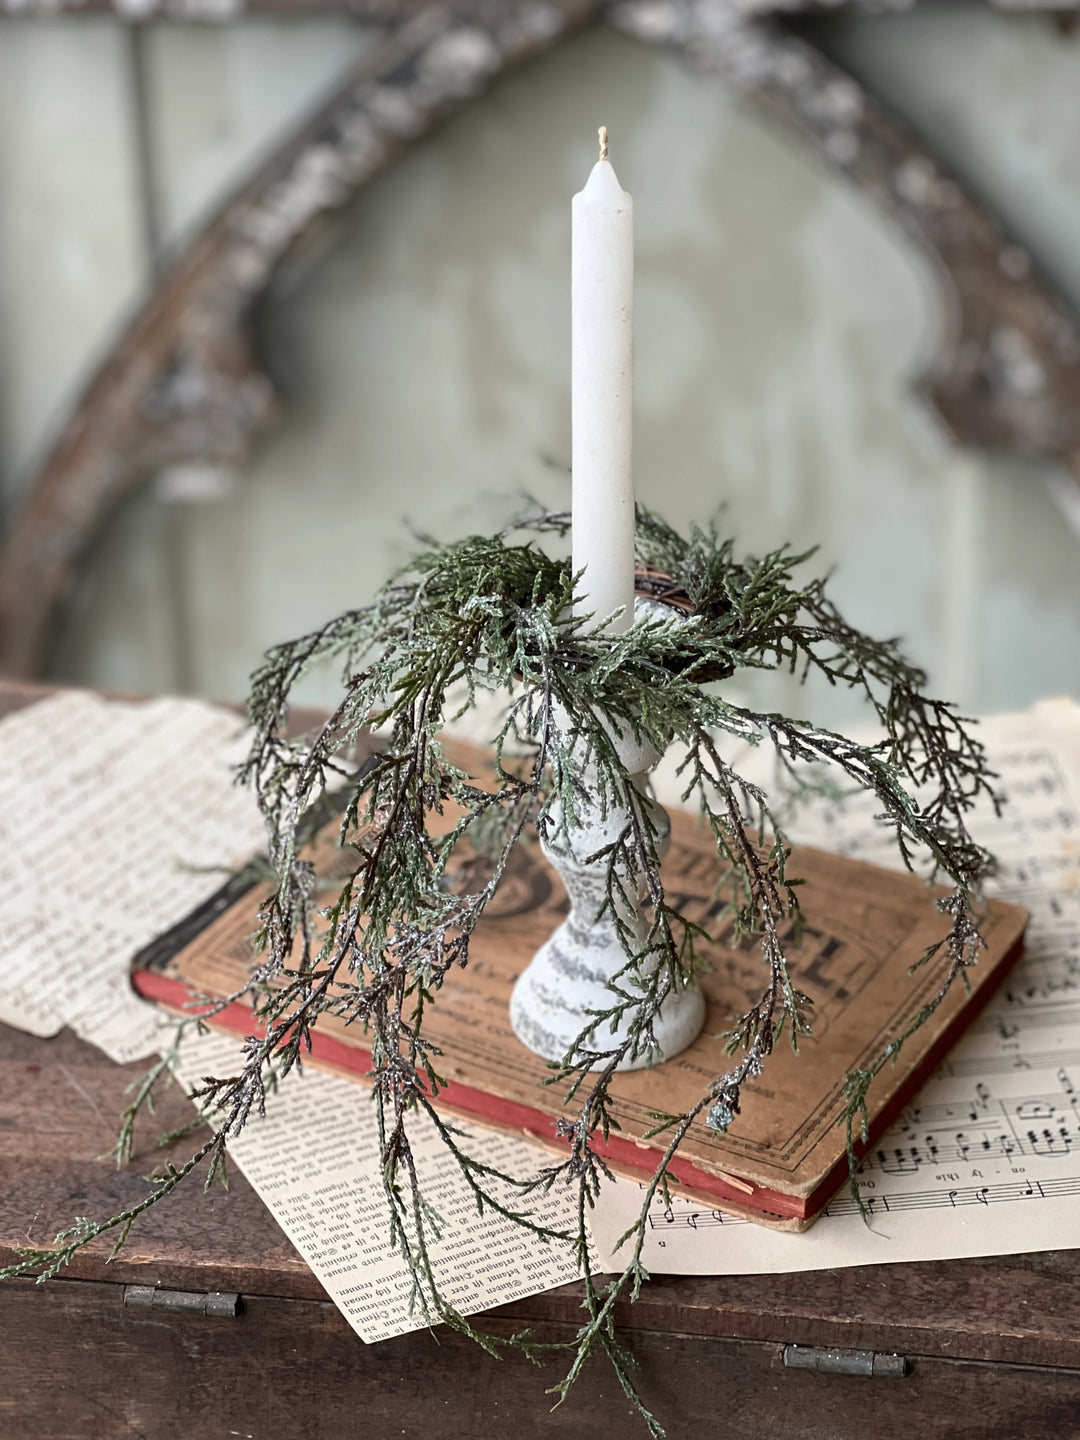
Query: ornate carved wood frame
[184, 381]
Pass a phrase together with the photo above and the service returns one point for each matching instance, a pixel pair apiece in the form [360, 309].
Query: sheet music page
[314, 1160]
[116, 820]
[986, 1159]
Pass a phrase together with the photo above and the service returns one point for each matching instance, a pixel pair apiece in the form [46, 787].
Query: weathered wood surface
[185, 382]
[59, 1103]
[283, 1368]
[61, 1100]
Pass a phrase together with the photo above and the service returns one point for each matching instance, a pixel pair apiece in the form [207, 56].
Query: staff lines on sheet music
[910, 1159]
[1040, 1140]
[979, 1065]
[963, 1195]
[1035, 1015]
[1051, 963]
[943, 1199]
[1046, 1125]
[985, 1109]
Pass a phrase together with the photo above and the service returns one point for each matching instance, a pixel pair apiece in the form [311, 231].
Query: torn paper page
[315, 1161]
[116, 820]
[108, 804]
[986, 1159]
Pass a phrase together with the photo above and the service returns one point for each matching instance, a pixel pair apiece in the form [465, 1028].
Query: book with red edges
[784, 1155]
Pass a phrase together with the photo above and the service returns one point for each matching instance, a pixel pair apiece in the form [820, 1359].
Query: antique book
[785, 1153]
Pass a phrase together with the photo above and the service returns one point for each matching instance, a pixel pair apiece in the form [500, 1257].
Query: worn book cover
[784, 1155]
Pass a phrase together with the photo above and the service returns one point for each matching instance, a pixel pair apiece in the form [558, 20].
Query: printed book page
[314, 1160]
[116, 820]
[986, 1159]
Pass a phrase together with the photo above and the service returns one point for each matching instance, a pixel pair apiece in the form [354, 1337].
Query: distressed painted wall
[71, 253]
[780, 322]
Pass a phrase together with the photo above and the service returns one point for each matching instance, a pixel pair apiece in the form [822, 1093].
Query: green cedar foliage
[495, 614]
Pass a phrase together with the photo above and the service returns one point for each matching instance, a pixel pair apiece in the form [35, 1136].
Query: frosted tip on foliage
[720, 1116]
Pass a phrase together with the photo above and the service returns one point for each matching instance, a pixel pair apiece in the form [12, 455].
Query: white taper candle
[602, 373]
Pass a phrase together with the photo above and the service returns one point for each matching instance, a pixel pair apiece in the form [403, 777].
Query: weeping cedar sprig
[495, 614]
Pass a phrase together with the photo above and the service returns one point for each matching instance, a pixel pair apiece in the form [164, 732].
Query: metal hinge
[828, 1361]
[193, 1302]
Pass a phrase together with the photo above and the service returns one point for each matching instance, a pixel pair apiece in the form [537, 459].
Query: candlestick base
[566, 983]
[583, 969]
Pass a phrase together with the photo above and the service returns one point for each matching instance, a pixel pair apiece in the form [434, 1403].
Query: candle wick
[603, 142]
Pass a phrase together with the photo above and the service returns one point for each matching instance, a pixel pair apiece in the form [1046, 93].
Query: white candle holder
[567, 981]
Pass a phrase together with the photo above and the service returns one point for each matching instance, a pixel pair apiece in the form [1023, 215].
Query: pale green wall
[71, 256]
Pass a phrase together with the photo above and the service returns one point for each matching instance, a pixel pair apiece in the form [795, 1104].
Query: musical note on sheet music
[1000, 1121]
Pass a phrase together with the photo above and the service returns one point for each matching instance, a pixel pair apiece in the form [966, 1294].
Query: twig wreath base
[496, 614]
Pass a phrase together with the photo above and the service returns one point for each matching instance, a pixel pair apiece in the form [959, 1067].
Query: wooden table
[993, 1345]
